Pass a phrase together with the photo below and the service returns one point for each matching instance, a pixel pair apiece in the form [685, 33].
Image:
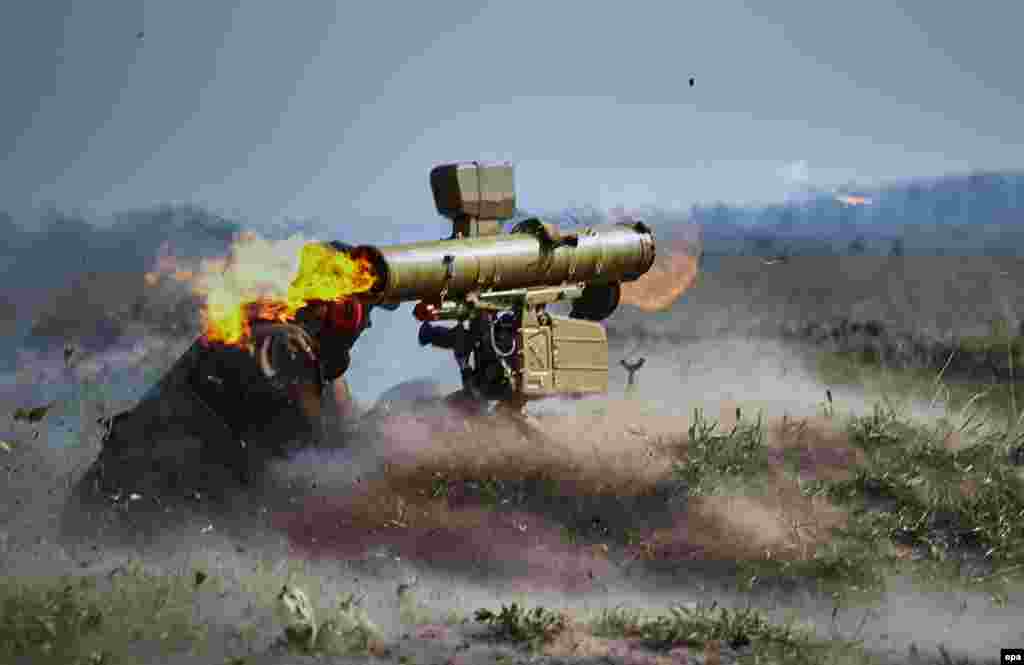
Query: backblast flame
[267, 280]
[328, 274]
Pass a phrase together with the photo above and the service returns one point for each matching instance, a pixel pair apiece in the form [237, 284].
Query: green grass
[489, 488]
[347, 630]
[750, 632]
[95, 621]
[719, 461]
[922, 481]
[714, 459]
[998, 340]
[517, 624]
[76, 621]
[335, 626]
[697, 625]
[903, 387]
[910, 495]
[849, 569]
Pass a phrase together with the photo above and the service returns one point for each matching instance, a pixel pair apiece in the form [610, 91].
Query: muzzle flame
[668, 279]
[674, 271]
[265, 280]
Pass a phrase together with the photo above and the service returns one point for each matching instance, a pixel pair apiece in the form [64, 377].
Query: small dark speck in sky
[692, 81]
[140, 35]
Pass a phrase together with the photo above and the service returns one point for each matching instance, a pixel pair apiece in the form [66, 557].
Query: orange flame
[264, 279]
[668, 279]
[854, 200]
[674, 271]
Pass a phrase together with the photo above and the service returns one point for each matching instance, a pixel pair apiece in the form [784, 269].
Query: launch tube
[533, 254]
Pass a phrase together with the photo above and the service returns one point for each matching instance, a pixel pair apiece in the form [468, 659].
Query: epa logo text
[1011, 655]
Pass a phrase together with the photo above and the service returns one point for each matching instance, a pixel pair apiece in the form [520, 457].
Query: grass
[706, 628]
[517, 624]
[82, 621]
[998, 341]
[714, 458]
[848, 569]
[939, 503]
[944, 499]
[346, 630]
[903, 387]
[948, 517]
[312, 624]
[101, 621]
[412, 612]
[698, 624]
[719, 461]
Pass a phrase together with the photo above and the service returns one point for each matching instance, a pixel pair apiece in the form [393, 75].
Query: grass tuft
[346, 630]
[517, 624]
[714, 457]
[746, 631]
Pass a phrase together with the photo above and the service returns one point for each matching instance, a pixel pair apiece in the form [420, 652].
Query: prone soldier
[222, 411]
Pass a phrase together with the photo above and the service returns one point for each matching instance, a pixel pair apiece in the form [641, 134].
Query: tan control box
[474, 190]
[563, 356]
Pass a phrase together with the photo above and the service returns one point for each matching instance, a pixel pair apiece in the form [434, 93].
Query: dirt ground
[577, 516]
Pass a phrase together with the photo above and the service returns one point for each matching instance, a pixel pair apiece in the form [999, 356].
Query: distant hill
[977, 215]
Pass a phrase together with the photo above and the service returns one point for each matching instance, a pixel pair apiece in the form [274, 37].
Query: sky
[337, 111]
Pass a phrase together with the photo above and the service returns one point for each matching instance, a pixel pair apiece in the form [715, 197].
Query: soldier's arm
[439, 336]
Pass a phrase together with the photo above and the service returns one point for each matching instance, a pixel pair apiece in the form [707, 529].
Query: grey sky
[264, 109]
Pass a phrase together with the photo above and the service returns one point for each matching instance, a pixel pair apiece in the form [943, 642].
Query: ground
[616, 508]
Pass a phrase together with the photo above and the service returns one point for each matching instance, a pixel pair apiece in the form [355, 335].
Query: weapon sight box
[469, 193]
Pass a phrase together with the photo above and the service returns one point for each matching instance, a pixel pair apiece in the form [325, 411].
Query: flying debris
[140, 35]
[33, 415]
[692, 81]
[782, 258]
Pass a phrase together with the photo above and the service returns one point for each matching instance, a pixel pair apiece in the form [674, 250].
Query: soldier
[222, 410]
[480, 363]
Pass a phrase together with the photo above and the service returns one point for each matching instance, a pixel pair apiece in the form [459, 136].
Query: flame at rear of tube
[266, 280]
